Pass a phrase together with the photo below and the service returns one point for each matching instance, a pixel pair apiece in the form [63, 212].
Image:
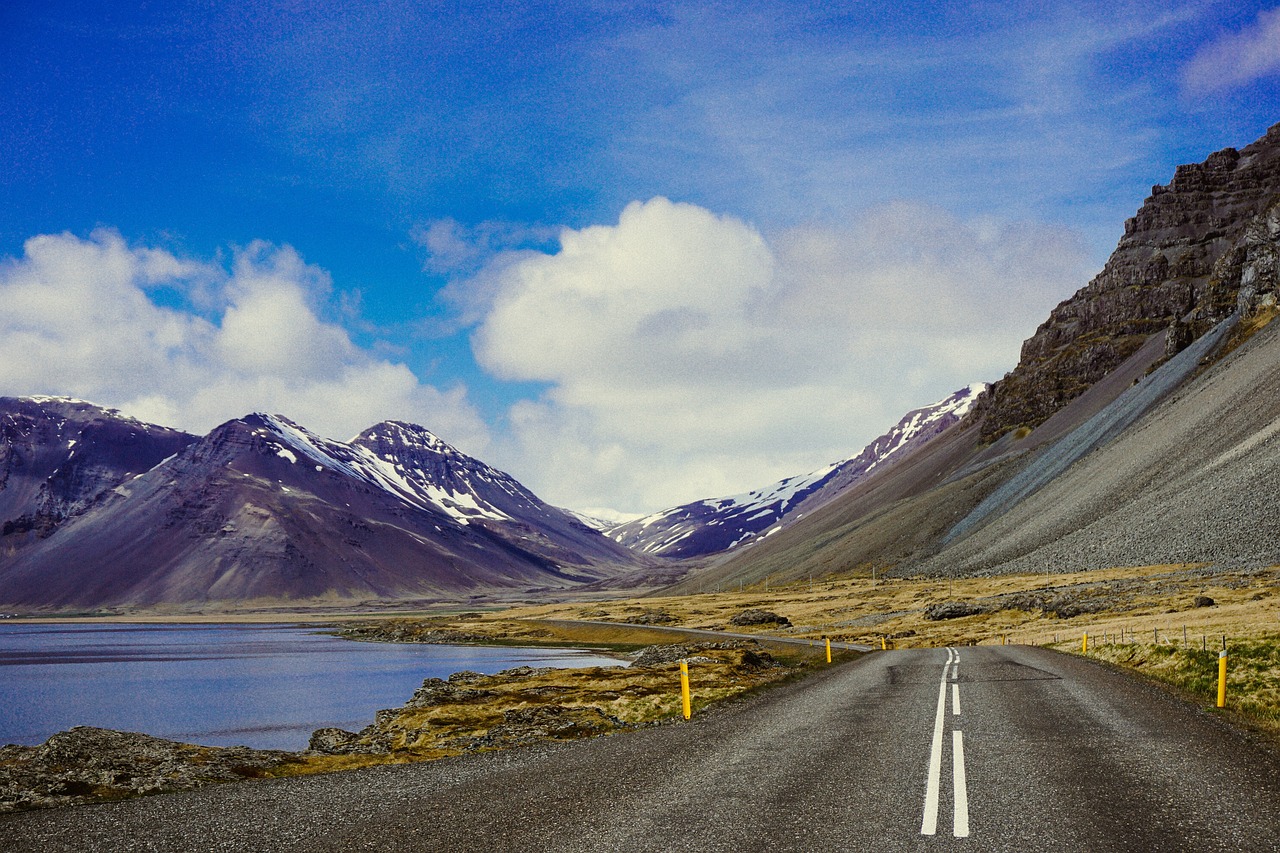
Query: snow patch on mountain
[393, 472]
[718, 524]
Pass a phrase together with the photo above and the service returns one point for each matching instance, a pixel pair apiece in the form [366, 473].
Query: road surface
[977, 748]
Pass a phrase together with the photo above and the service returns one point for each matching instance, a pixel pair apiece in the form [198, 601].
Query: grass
[1253, 673]
[474, 713]
[863, 610]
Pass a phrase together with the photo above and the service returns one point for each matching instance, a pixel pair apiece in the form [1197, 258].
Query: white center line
[929, 825]
[955, 699]
[961, 815]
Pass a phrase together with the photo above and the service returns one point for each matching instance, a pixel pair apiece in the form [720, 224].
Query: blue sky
[634, 253]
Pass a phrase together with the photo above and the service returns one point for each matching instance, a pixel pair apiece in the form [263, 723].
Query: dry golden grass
[473, 712]
[860, 610]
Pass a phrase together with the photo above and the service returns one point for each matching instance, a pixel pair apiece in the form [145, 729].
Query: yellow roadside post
[1222, 678]
[828, 639]
[684, 689]
[1084, 644]
[883, 644]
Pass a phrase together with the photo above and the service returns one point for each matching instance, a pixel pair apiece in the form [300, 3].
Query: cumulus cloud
[689, 356]
[80, 319]
[1236, 59]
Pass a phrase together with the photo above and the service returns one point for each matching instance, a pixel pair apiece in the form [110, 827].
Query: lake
[265, 686]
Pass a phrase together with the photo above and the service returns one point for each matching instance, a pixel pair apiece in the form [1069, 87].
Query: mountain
[1137, 428]
[262, 510]
[58, 456]
[1178, 270]
[720, 524]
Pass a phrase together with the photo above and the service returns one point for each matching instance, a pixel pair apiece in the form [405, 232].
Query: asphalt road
[1043, 752]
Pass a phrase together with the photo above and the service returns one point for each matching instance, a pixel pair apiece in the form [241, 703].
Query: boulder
[760, 617]
[952, 610]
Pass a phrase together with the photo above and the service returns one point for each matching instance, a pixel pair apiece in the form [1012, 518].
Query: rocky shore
[86, 764]
[469, 712]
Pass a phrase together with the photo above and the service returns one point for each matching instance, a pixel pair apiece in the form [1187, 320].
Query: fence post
[686, 705]
[1222, 678]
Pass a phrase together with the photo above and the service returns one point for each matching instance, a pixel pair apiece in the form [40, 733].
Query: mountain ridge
[715, 525]
[262, 509]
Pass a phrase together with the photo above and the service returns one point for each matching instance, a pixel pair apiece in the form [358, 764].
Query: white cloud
[691, 357]
[78, 320]
[1236, 59]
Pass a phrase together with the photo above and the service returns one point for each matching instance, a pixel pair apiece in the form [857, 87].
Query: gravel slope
[1193, 481]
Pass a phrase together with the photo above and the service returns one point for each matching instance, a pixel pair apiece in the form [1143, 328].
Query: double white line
[960, 817]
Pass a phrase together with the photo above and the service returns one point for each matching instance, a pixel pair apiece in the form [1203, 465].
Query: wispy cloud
[1017, 112]
[1236, 59]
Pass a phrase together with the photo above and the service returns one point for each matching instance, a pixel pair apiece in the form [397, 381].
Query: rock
[760, 617]
[1202, 601]
[952, 610]
[667, 654]
[650, 617]
[332, 741]
[85, 764]
[550, 722]
[1066, 607]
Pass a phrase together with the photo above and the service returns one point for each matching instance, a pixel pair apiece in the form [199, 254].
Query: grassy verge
[471, 712]
[1253, 673]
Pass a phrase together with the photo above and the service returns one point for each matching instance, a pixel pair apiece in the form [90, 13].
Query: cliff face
[1195, 249]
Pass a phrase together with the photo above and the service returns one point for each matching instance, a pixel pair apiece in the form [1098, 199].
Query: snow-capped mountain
[718, 524]
[263, 509]
[59, 455]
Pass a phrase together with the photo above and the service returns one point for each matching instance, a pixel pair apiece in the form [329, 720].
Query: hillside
[1177, 271]
[1136, 429]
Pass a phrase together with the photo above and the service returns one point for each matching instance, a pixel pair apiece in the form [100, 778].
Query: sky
[635, 254]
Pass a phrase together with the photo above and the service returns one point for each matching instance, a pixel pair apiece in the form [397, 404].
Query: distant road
[978, 748]
[701, 633]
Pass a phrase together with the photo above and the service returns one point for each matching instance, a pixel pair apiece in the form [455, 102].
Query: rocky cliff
[1196, 248]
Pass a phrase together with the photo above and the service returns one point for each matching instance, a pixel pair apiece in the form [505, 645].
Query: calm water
[265, 686]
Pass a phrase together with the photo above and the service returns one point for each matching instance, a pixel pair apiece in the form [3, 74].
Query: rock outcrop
[1200, 248]
[87, 764]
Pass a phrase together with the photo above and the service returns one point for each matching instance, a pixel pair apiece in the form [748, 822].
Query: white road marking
[960, 817]
[929, 824]
[959, 785]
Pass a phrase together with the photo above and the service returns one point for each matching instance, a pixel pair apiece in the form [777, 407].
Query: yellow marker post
[828, 639]
[684, 689]
[883, 644]
[1222, 678]
[1084, 644]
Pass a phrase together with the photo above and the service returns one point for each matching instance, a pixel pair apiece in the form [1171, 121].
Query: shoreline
[464, 714]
